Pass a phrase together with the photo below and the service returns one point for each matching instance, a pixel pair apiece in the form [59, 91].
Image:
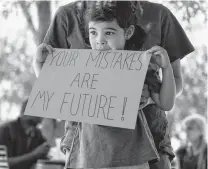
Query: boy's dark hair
[125, 13]
[121, 11]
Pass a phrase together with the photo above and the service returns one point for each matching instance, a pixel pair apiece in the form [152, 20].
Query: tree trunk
[44, 19]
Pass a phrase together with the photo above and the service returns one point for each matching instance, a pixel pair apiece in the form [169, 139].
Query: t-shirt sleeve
[174, 39]
[57, 33]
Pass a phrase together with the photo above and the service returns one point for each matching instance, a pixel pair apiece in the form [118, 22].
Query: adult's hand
[30, 158]
[41, 151]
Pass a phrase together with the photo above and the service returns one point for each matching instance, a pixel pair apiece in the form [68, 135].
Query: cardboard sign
[97, 87]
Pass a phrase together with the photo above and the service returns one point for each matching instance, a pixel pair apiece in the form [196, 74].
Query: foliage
[194, 96]
[18, 42]
[190, 10]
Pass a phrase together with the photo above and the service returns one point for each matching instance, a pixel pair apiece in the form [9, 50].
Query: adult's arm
[25, 159]
[31, 157]
[59, 28]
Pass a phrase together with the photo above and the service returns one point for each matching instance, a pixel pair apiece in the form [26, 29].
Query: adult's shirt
[160, 24]
[18, 143]
[164, 30]
[188, 160]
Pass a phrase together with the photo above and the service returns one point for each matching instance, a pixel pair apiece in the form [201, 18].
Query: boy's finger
[49, 49]
[154, 49]
[53, 49]
[149, 52]
[154, 58]
[158, 53]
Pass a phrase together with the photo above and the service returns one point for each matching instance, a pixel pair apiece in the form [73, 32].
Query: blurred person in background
[193, 155]
[24, 141]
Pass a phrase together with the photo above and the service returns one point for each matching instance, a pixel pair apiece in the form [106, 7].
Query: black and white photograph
[103, 84]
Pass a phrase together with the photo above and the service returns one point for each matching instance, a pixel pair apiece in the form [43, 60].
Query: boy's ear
[129, 32]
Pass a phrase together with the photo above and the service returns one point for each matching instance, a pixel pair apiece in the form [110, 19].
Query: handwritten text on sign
[97, 87]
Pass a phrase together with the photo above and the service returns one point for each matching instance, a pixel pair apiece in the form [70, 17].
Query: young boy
[112, 26]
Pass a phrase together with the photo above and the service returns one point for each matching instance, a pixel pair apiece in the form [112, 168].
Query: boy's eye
[109, 33]
[93, 32]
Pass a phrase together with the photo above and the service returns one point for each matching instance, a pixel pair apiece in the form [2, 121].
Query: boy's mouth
[102, 49]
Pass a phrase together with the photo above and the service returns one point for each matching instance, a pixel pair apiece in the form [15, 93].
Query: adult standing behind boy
[24, 142]
[68, 31]
[163, 29]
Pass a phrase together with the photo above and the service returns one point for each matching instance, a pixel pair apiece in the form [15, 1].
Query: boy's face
[106, 35]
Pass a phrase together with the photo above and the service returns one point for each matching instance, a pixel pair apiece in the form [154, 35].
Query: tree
[190, 10]
[16, 73]
[194, 96]
[194, 70]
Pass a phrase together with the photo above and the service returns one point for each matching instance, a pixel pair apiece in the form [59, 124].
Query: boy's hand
[159, 57]
[41, 54]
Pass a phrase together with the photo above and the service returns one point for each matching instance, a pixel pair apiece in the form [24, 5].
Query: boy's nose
[101, 45]
[100, 40]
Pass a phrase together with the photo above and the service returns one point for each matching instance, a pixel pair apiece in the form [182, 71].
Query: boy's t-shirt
[66, 32]
[95, 146]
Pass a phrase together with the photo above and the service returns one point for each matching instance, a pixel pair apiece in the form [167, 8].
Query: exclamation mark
[124, 106]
